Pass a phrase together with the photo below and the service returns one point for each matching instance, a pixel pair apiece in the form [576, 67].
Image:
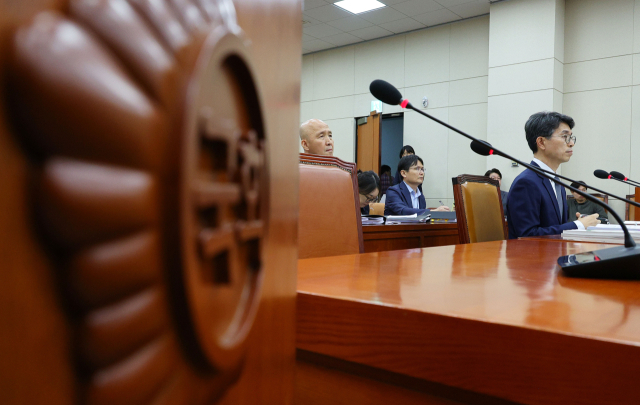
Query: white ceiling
[327, 26]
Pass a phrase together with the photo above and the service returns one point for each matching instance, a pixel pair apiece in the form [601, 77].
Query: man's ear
[403, 173]
[305, 145]
[540, 143]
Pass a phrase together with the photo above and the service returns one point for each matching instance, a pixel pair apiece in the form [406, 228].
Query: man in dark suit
[405, 198]
[536, 205]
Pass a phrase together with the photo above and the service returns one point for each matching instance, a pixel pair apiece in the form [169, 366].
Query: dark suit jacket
[533, 208]
[398, 201]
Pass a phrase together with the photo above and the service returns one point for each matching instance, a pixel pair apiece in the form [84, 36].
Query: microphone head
[601, 174]
[385, 92]
[618, 175]
[482, 148]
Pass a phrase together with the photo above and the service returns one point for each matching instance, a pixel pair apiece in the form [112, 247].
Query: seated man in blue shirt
[405, 198]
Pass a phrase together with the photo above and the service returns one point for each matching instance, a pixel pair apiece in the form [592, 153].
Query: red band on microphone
[491, 152]
[609, 177]
[404, 103]
[626, 178]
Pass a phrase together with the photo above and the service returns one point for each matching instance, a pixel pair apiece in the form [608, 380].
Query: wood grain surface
[380, 238]
[493, 318]
[61, 320]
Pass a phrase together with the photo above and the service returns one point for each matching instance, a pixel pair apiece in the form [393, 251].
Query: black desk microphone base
[612, 263]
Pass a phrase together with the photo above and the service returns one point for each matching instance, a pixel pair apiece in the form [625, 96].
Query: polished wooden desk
[489, 322]
[380, 238]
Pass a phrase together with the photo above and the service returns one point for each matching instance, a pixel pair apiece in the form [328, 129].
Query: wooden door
[368, 143]
[146, 255]
[636, 209]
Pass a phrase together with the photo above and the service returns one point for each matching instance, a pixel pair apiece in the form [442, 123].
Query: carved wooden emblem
[143, 121]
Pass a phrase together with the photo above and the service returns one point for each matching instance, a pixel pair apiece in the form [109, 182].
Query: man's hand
[589, 220]
[442, 208]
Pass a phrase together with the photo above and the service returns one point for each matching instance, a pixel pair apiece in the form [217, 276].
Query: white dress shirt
[415, 203]
[546, 168]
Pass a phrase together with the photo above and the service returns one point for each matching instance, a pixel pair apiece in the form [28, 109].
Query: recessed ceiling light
[359, 6]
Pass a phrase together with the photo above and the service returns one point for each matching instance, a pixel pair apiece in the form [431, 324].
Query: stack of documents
[372, 220]
[603, 233]
[415, 218]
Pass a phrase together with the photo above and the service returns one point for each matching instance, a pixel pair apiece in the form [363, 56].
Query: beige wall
[602, 89]
[487, 75]
[448, 64]
[525, 74]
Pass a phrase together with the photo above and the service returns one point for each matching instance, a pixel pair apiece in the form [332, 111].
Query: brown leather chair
[629, 214]
[478, 209]
[329, 223]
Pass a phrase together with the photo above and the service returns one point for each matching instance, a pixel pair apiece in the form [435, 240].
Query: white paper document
[396, 219]
[603, 233]
[372, 220]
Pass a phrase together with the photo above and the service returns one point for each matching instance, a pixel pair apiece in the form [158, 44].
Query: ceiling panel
[327, 26]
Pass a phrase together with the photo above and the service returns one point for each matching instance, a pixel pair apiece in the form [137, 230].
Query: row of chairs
[330, 223]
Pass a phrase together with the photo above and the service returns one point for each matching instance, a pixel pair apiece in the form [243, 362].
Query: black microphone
[385, 92]
[622, 177]
[615, 262]
[601, 174]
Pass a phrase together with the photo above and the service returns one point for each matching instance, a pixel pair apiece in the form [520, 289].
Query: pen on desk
[441, 203]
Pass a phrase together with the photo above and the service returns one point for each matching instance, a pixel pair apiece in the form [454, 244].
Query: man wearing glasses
[536, 205]
[405, 198]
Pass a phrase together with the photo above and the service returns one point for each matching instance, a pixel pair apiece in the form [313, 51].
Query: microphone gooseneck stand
[485, 149]
[616, 262]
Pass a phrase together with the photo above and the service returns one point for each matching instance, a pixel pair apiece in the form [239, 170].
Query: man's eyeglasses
[568, 138]
[418, 169]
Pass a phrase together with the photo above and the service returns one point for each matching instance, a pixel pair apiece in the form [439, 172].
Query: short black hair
[494, 170]
[577, 184]
[408, 162]
[408, 149]
[368, 181]
[384, 169]
[543, 124]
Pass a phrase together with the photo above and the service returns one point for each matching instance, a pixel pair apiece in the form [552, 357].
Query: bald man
[316, 137]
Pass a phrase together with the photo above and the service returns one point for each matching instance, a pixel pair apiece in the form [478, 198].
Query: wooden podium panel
[488, 322]
[147, 247]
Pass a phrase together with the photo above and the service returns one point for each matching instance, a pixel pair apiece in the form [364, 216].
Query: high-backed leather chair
[329, 223]
[629, 214]
[478, 209]
[376, 209]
